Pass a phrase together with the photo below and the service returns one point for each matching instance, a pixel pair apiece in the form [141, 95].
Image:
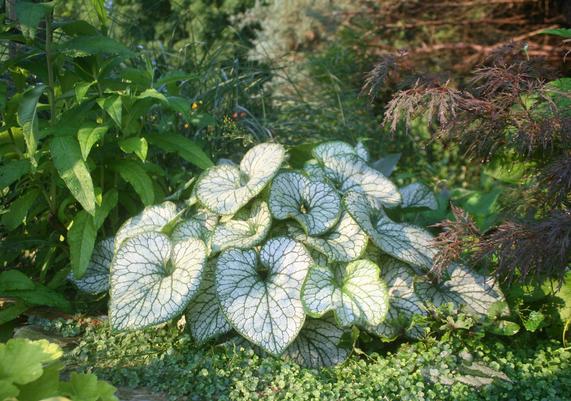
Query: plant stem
[51, 93]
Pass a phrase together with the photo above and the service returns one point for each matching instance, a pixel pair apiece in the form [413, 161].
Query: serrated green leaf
[344, 243]
[226, 189]
[182, 146]
[18, 210]
[260, 296]
[152, 280]
[13, 171]
[96, 277]
[418, 195]
[313, 204]
[22, 360]
[81, 239]
[134, 173]
[406, 242]
[136, 145]
[28, 118]
[462, 287]
[317, 345]
[113, 106]
[46, 386]
[80, 89]
[69, 163]
[245, 230]
[30, 14]
[204, 317]
[86, 387]
[354, 292]
[151, 219]
[88, 135]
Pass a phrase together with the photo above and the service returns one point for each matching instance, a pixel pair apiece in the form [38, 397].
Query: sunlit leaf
[225, 189]
[245, 230]
[152, 280]
[354, 292]
[411, 244]
[200, 225]
[260, 295]
[343, 243]
[313, 204]
[152, 218]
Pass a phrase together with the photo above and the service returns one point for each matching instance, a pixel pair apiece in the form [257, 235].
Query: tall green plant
[79, 147]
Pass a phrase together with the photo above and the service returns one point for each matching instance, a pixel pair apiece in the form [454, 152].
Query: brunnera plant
[287, 259]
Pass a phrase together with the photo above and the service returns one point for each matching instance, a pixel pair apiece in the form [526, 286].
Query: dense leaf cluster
[287, 259]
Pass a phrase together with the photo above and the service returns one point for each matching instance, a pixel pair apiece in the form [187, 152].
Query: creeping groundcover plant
[286, 259]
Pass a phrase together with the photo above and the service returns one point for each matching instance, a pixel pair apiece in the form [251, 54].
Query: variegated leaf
[96, 277]
[418, 195]
[404, 303]
[344, 243]
[351, 173]
[151, 219]
[153, 280]
[362, 152]
[204, 317]
[317, 345]
[246, 230]
[464, 288]
[225, 189]
[411, 244]
[315, 171]
[333, 149]
[200, 225]
[354, 292]
[260, 296]
[313, 204]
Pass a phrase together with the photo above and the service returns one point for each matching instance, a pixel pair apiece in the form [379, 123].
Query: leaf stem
[49, 61]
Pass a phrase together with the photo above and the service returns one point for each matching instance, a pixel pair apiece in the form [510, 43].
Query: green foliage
[29, 371]
[166, 362]
[250, 230]
[78, 135]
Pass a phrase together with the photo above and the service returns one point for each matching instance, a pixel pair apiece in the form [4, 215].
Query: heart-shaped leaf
[333, 149]
[351, 173]
[317, 345]
[406, 242]
[153, 280]
[418, 195]
[404, 303]
[354, 292]
[464, 288]
[313, 204]
[344, 243]
[200, 225]
[96, 277]
[204, 317]
[261, 298]
[246, 230]
[225, 189]
[152, 218]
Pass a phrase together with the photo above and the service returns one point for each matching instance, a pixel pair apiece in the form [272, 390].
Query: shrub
[261, 246]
